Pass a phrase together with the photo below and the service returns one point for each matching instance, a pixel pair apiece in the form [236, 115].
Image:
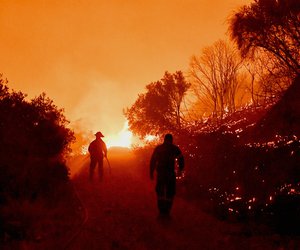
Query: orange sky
[93, 57]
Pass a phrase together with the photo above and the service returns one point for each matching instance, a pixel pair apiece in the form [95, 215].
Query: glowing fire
[122, 139]
[150, 138]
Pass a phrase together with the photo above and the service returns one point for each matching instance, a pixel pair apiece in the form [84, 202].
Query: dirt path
[122, 214]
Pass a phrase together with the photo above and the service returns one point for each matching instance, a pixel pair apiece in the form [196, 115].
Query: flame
[150, 138]
[121, 139]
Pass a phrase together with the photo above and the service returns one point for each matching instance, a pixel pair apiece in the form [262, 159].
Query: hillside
[283, 118]
[249, 166]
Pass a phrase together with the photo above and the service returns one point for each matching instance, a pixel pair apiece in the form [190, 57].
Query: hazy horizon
[93, 58]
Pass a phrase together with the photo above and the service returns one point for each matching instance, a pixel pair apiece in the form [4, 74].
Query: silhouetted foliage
[267, 82]
[33, 142]
[215, 76]
[241, 174]
[159, 109]
[272, 26]
[243, 180]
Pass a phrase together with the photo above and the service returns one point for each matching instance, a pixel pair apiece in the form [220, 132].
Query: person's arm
[104, 149]
[90, 148]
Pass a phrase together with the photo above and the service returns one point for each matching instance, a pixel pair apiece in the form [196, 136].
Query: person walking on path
[163, 161]
[97, 150]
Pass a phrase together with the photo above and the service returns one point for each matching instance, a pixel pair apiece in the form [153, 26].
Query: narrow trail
[122, 214]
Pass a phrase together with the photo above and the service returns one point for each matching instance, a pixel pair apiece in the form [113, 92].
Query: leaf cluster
[272, 26]
[158, 109]
[33, 141]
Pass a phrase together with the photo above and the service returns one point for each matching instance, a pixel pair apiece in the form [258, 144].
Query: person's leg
[161, 195]
[170, 193]
[100, 168]
[92, 168]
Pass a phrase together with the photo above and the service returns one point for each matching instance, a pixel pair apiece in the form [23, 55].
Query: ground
[120, 213]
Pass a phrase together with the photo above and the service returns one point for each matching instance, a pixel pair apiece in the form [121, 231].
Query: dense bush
[33, 142]
[245, 180]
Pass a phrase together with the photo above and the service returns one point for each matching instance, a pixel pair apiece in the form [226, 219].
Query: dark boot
[161, 204]
[168, 206]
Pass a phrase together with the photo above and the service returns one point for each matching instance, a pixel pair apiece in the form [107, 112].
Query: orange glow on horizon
[93, 58]
[121, 139]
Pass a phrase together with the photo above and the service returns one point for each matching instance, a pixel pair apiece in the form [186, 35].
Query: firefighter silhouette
[97, 150]
[163, 161]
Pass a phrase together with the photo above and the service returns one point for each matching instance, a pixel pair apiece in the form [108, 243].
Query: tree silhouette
[267, 83]
[159, 109]
[34, 139]
[215, 77]
[272, 26]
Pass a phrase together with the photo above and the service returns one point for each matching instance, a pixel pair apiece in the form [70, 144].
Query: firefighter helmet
[99, 134]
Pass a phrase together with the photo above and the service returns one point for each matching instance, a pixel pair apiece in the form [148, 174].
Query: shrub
[34, 140]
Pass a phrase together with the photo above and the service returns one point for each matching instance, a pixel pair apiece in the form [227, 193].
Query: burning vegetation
[241, 134]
